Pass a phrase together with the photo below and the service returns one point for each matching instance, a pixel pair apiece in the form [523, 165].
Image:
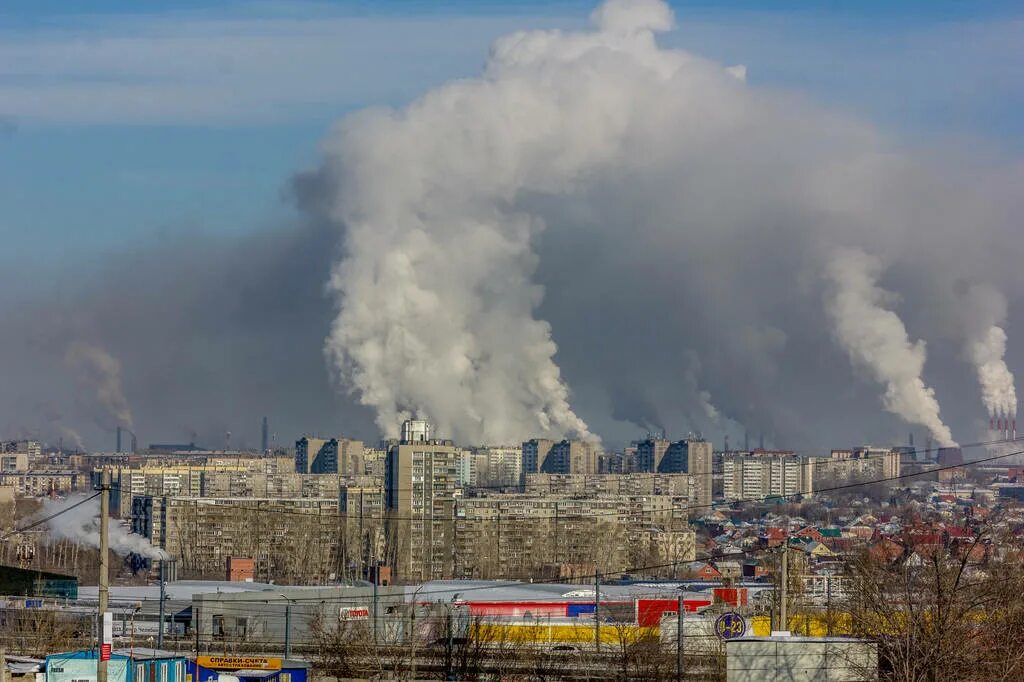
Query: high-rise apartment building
[499, 466]
[698, 457]
[307, 449]
[535, 453]
[756, 476]
[649, 454]
[572, 457]
[421, 484]
[333, 456]
[861, 465]
[563, 457]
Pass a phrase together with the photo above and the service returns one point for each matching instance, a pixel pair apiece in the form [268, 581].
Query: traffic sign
[730, 626]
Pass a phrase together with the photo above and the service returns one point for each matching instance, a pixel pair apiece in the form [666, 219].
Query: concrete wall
[803, 659]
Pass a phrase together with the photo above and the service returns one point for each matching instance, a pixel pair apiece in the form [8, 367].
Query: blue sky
[121, 122]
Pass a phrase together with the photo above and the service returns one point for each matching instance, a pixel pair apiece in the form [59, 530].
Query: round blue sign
[730, 626]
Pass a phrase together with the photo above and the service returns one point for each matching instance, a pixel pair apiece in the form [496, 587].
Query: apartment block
[289, 540]
[541, 455]
[41, 482]
[520, 536]
[858, 465]
[755, 476]
[421, 485]
[676, 485]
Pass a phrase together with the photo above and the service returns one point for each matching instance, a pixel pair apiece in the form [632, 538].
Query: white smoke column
[81, 525]
[436, 303]
[985, 311]
[876, 339]
[99, 371]
[997, 389]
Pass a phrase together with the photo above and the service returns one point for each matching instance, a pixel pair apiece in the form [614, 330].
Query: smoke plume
[641, 210]
[81, 525]
[985, 348]
[876, 339]
[638, 206]
[98, 371]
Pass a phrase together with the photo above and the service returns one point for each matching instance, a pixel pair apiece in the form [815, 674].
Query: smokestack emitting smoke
[996, 380]
[81, 525]
[100, 372]
[985, 311]
[876, 339]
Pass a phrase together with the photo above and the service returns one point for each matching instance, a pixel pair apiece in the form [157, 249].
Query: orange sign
[239, 662]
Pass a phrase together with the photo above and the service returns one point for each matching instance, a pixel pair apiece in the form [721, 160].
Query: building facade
[421, 484]
[755, 476]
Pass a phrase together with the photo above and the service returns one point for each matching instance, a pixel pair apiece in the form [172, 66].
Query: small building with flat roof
[125, 665]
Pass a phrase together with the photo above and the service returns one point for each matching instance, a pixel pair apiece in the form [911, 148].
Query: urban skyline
[618, 339]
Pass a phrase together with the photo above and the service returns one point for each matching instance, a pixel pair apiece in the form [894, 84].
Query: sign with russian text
[239, 662]
[106, 644]
[730, 626]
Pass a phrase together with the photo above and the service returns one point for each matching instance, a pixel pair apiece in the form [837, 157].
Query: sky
[124, 126]
[121, 121]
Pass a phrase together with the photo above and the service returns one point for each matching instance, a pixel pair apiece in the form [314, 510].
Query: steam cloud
[985, 348]
[667, 224]
[99, 371]
[81, 525]
[876, 339]
[447, 204]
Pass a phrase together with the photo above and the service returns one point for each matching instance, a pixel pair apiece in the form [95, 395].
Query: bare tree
[941, 613]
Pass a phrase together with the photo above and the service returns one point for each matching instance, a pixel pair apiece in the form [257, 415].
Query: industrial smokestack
[265, 436]
[118, 439]
[135, 443]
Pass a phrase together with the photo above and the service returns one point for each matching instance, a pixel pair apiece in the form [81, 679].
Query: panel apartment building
[421, 484]
[542, 455]
[520, 536]
[289, 540]
[691, 456]
[760, 474]
[329, 456]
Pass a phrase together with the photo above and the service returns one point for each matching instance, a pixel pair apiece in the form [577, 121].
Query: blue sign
[730, 626]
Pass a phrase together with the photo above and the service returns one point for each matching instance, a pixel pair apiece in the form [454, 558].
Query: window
[140, 672]
[163, 672]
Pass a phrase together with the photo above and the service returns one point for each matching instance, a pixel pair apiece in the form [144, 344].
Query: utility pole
[784, 591]
[163, 598]
[288, 630]
[680, 620]
[412, 641]
[597, 611]
[375, 567]
[104, 579]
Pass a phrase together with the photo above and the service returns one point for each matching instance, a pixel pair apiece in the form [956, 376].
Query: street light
[131, 638]
[287, 624]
